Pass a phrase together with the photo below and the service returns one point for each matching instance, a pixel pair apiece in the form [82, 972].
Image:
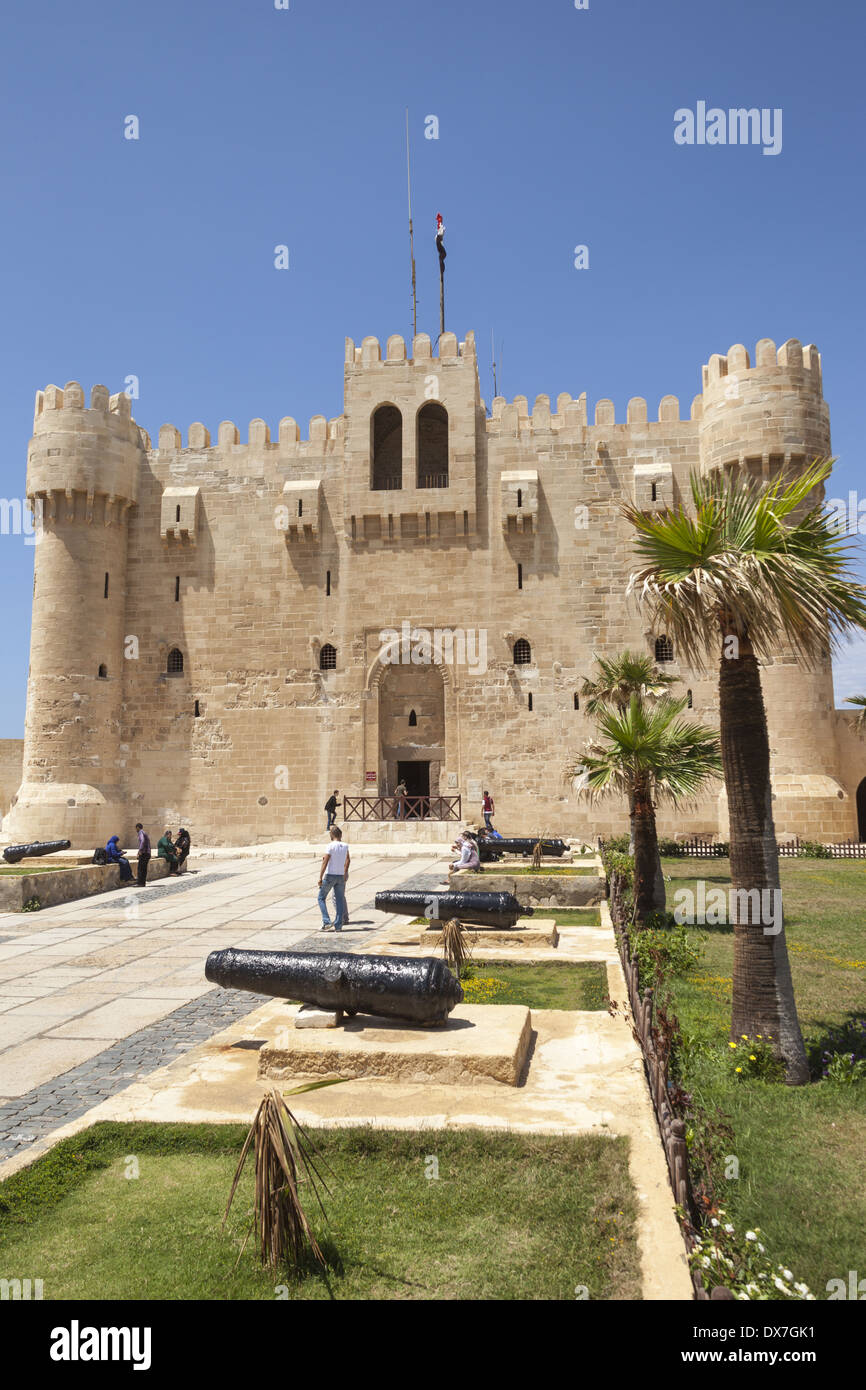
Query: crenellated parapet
[84, 452]
[323, 435]
[572, 418]
[764, 417]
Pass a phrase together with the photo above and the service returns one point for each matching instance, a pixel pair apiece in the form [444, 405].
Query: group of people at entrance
[176, 851]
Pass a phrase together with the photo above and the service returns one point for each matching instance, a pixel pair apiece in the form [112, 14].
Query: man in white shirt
[334, 874]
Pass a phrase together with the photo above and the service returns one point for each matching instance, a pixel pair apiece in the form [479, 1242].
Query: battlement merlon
[95, 450]
[765, 417]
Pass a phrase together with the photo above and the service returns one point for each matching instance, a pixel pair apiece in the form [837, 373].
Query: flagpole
[411, 234]
[440, 247]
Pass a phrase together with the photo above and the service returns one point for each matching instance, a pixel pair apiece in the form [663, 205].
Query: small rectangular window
[520, 576]
[529, 702]
[177, 588]
[655, 492]
[328, 584]
[105, 592]
[576, 700]
[177, 512]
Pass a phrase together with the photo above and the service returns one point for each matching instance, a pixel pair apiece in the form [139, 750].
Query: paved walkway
[101, 992]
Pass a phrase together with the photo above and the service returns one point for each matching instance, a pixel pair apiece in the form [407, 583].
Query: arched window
[103, 672]
[328, 658]
[413, 719]
[432, 445]
[664, 648]
[522, 652]
[174, 665]
[387, 449]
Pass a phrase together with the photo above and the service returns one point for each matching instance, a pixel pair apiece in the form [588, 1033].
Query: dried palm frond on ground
[455, 945]
[284, 1158]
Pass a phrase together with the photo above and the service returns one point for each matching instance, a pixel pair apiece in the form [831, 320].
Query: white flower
[762, 1248]
[779, 1285]
[802, 1288]
[750, 1235]
[729, 1228]
[714, 1222]
[786, 1273]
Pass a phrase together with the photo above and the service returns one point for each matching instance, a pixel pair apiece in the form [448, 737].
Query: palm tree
[616, 679]
[651, 754]
[860, 700]
[619, 677]
[733, 579]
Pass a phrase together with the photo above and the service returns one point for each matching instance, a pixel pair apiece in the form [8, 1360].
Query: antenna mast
[411, 235]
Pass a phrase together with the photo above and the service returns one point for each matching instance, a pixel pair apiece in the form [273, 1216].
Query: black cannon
[492, 849]
[476, 909]
[13, 854]
[420, 991]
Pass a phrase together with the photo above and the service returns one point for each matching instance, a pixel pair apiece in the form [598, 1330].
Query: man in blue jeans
[334, 874]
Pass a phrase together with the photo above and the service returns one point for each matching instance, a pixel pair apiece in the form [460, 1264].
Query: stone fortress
[210, 642]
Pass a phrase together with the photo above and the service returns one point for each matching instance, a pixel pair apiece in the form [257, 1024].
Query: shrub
[840, 1057]
[663, 947]
[811, 849]
[741, 1264]
[32, 905]
[754, 1059]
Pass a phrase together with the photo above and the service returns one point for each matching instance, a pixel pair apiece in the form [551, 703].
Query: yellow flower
[752, 1057]
[733, 1045]
[743, 1036]
[738, 1069]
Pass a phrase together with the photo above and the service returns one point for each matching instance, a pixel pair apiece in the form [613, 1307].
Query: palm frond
[860, 702]
[455, 945]
[284, 1159]
[749, 561]
[675, 756]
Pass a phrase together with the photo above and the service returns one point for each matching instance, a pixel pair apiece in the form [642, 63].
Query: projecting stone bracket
[519, 493]
[300, 516]
[179, 514]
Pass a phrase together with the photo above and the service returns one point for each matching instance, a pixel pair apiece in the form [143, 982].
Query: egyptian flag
[440, 232]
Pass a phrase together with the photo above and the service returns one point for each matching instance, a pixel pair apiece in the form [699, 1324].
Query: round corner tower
[761, 421]
[82, 478]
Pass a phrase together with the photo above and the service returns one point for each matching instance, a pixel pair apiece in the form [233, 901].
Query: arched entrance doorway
[861, 810]
[412, 728]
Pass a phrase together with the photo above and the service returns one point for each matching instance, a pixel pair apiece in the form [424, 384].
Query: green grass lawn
[800, 1149]
[509, 1217]
[569, 985]
[572, 916]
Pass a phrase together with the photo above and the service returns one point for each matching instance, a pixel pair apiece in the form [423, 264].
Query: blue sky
[261, 127]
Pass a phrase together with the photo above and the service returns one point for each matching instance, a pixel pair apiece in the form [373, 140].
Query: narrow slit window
[520, 576]
[177, 588]
[197, 711]
[105, 590]
[300, 506]
[689, 700]
[177, 512]
[576, 700]
[328, 584]
[520, 497]
[655, 492]
[529, 702]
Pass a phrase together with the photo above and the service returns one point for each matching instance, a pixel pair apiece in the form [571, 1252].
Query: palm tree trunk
[763, 992]
[646, 851]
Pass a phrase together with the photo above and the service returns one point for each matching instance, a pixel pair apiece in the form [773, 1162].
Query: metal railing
[396, 808]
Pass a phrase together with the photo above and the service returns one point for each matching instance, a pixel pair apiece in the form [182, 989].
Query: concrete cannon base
[535, 931]
[478, 1042]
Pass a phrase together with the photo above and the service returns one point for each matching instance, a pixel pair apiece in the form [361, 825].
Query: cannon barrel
[480, 909]
[419, 990]
[491, 849]
[13, 854]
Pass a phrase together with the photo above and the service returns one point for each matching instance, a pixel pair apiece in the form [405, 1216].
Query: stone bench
[65, 885]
